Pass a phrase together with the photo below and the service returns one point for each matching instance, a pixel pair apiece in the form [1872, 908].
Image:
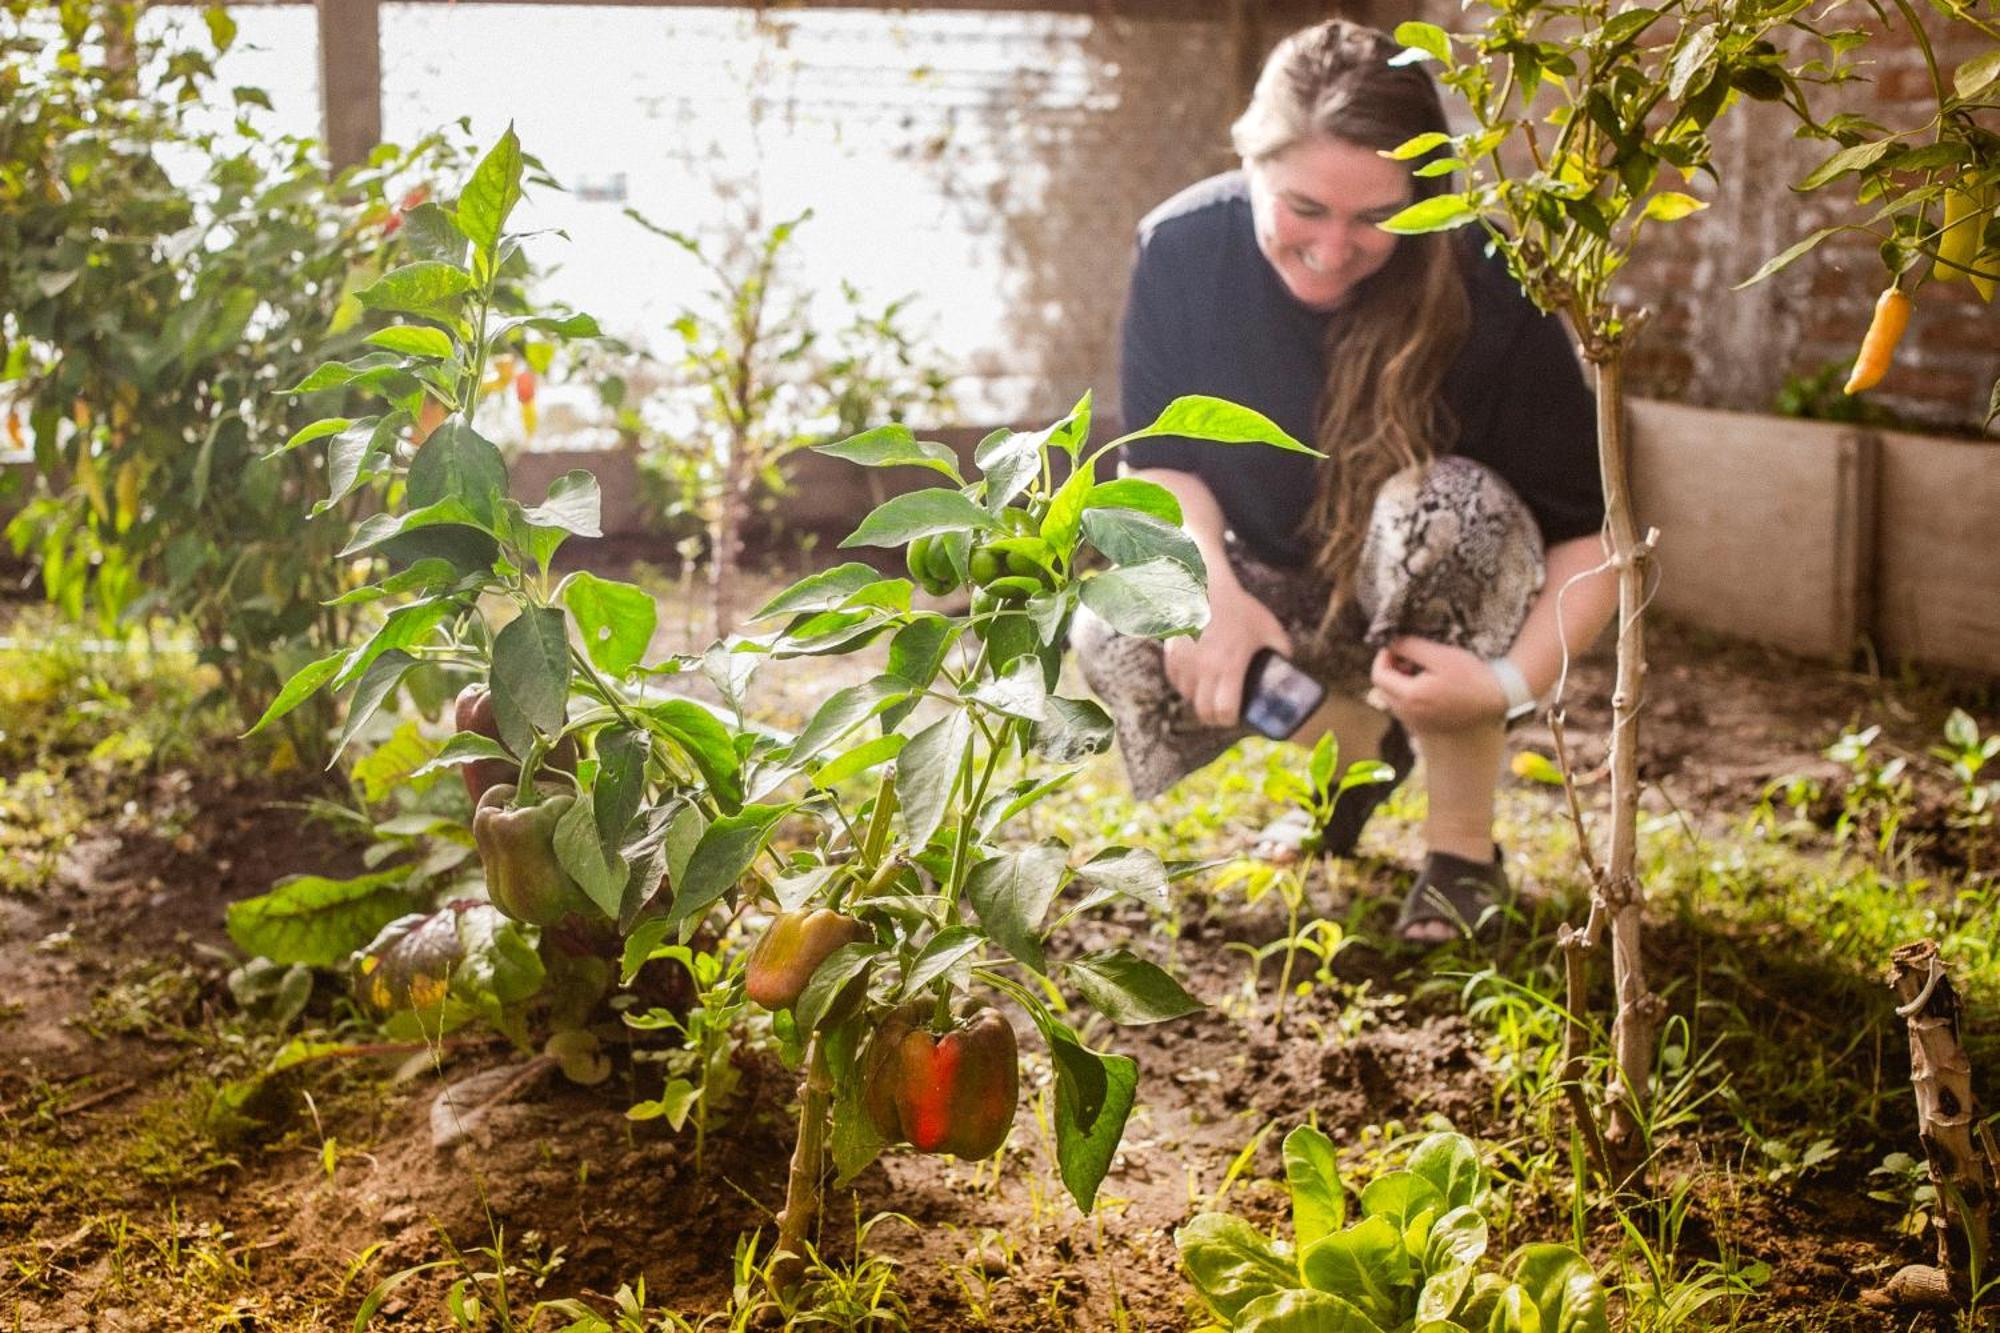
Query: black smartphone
[1277, 696]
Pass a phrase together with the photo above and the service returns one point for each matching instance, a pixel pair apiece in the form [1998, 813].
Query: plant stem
[1623, 897]
[802, 1188]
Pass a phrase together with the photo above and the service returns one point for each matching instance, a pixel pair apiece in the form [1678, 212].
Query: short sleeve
[1153, 364]
[1545, 430]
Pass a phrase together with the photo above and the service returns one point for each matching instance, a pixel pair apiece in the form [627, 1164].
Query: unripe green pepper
[473, 711]
[1013, 588]
[954, 1093]
[929, 566]
[784, 959]
[524, 877]
[985, 565]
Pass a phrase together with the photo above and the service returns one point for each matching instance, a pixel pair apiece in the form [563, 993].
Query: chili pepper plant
[1934, 189]
[621, 820]
[1583, 120]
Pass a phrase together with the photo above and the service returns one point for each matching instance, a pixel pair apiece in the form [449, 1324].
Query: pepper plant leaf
[1012, 891]
[1094, 1096]
[902, 519]
[531, 672]
[894, 445]
[615, 620]
[1157, 600]
[1127, 989]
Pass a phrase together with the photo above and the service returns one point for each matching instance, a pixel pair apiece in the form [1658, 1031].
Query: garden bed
[118, 1212]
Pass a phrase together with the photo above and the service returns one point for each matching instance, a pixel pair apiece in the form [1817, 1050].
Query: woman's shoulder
[1206, 211]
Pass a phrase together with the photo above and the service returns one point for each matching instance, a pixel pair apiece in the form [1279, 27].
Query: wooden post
[350, 79]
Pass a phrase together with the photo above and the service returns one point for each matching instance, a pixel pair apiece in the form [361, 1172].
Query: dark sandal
[1456, 891]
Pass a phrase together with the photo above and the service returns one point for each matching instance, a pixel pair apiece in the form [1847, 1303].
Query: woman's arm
[1208, 669]
[1454, 689]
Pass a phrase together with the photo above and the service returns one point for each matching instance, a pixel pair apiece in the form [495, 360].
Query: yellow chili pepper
[1892, 316]
[1958, 240]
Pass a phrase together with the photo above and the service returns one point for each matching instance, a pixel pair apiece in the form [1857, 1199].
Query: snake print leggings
[1451, 554]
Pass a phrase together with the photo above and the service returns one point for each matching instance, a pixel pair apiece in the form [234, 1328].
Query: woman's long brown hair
[1381, 409]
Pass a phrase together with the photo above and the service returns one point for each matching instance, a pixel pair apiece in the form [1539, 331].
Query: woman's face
[1317, 205]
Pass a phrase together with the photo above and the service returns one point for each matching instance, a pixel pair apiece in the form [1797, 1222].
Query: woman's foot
[1453, 897]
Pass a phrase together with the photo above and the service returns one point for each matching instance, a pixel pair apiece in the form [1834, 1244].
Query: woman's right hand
[1208, 669]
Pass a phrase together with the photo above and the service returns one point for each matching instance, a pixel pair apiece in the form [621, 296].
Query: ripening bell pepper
[517, 845]
[954, 1093]
[474, 712]
[784, 959]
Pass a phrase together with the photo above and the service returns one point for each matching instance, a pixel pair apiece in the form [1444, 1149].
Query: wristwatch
[1520, 699]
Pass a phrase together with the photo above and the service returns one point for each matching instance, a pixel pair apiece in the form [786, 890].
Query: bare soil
[103, 974]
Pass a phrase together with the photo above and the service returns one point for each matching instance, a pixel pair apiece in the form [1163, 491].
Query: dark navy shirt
[1208, 314]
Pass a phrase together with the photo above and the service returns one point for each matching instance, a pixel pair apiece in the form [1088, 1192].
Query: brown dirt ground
[141, 896]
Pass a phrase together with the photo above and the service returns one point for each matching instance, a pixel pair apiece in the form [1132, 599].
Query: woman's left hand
[1450, 690]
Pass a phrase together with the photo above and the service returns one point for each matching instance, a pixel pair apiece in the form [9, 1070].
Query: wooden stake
[1956, 1148]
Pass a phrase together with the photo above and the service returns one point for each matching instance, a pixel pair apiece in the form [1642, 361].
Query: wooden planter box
[1823, 539]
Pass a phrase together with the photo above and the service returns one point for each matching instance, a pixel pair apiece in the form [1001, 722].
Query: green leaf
[1129, 990]
[843, 711]
[945, 950]
[927, 775]
[1977, 74]
[1672, 206]
[1135, 872]
[836, 986]
[426, 288]
[1457, 1240]
[464, 747]
[1232, 1263]
[457, 462]
[1563, 1287]
[722, 856]
[1071, 730]
[894, 446]
[414, 340]
[1008, 461]
[904, 518]
[352, 457]
[1440, 212]
[378, 682]
[1064, 520]
[1785, 257]
[1859, 157]
[492, 192]
[499, 968]
[1439, 1298]
[855, 1141]
[318, 430]
[1417, 147]
[531, 671]
[1128, 537]
[1017, 691]
[1202, 418]
[916, 654]
[1432, 40]
[1399, 1196]
[424, 577]
[1094, 1097]
[1012, 892]
[1312, 1171]
[1365, 1264]
[615, 620]
[574, 505]
[305, 682]
[821, 591]
[1694, 59]
[598, 870]
[1147, 497]
[702, 736]
[1304, 1312]
[1156, 600]
[317, 921]
[860, 759]
[1450, 1164]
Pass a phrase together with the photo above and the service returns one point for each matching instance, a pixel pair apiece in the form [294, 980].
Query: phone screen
[1277, 696]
